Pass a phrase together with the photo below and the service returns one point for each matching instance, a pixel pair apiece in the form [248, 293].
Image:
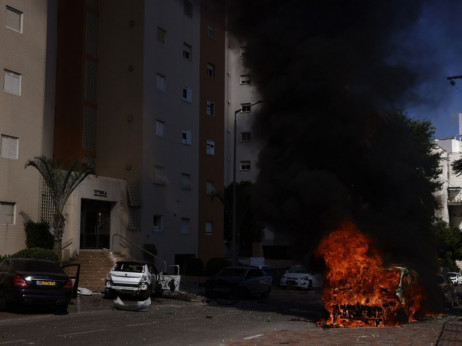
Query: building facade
[135, 89]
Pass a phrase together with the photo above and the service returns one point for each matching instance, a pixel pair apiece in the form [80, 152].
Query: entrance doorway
[95, 227]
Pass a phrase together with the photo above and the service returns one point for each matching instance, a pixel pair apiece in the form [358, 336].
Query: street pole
[234, 185]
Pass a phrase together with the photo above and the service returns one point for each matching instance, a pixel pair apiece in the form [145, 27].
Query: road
[167, 321]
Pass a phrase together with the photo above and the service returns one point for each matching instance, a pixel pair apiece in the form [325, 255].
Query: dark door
[95, 225]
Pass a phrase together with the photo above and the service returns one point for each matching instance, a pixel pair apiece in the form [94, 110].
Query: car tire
[108, 293]
[146, 294]
[310, 285]
[266, 294]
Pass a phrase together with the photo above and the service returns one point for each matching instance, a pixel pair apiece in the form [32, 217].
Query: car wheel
[310, 285]
[266, 294]
[146, 294]
[108, 293]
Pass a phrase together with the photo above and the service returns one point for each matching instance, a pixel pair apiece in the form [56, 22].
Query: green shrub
[4, 257]
[37, 253]
[193, 266]
[215, 264]
[38, 235]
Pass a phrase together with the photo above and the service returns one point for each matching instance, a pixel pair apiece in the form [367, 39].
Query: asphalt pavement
[442, 330]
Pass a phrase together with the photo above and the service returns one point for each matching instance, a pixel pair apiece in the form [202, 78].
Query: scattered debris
[84, 291]
[141, 304]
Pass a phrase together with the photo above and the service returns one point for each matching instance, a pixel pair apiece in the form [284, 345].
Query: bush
[37, 253]
[38, 235]
[193, 266]
[215, 264]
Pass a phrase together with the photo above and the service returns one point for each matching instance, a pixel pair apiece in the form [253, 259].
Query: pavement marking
[253, 337]
[141, 324]
[87, 332]
[11, 342]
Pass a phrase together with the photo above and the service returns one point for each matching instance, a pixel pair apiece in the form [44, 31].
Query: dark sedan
[32, 281]
[239, 282]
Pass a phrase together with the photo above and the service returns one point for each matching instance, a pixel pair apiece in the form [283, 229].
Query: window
[187, 94]
[210, 108]
[187, 51]
[185, 181]
[160, 177]
[245, 107]
[186, 137]
[160, 82]
[245, 79]
[208, 227]
[160, 128]
[161, 35]
[12, 82]
[245, 136]
[9, 146]
[13, 19]
[209, 188]
[211, 70]
[7, 213]
[211, 31]
[185, 225]
[158, 221]
[210, 147]
[245, 166]
[188, 8]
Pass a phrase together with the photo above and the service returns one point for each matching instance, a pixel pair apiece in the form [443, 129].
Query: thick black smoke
[335, 145]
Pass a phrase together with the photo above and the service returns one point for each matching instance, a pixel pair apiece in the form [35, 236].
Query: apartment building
[450, 195]
[26, 111]
[135, 89]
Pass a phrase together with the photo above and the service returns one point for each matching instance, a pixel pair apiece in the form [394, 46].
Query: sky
[435, 45]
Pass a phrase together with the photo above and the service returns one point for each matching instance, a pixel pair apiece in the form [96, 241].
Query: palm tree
[61, 181]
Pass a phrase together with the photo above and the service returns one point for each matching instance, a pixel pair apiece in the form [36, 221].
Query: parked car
[300, 277]
[239, 281]
[447, 289]
[32, 281]
[131, 277]
[456, 278]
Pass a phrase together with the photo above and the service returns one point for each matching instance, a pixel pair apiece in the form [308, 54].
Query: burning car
[239, 282]
[300, 277]
[131, 277]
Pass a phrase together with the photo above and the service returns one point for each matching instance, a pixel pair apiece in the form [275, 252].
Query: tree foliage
[449, 244]
[249, 228]
[61, 181]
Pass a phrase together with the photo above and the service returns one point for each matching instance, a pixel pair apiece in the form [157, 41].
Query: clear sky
[435, 52]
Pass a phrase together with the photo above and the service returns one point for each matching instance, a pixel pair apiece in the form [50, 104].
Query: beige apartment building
[128, 87]
[26, 104]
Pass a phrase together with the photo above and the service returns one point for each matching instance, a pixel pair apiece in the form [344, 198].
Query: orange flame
[358, 291]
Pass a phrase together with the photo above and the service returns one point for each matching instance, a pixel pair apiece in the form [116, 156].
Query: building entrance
[95, 227]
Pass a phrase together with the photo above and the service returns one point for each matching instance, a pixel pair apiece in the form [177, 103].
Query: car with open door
[25, 281]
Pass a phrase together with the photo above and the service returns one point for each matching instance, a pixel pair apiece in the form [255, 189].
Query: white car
[300, 277]
[131, 277]
[456, 278]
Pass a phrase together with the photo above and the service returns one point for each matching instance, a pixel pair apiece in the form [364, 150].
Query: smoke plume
[335, 144]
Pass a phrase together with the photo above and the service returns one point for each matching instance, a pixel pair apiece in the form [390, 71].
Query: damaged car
[132, 278]
[299, 277]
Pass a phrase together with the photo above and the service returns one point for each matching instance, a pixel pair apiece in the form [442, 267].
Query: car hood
[296, 275]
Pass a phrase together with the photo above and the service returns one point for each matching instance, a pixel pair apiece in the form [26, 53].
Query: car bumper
[129, 289]
[295, 283]
[33, 297]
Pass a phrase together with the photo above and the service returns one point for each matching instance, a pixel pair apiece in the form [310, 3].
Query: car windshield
[298, 270]
[233, 272]
[37, 266]
[129, 267]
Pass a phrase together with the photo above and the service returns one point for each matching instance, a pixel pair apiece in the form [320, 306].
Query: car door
[256, 282]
